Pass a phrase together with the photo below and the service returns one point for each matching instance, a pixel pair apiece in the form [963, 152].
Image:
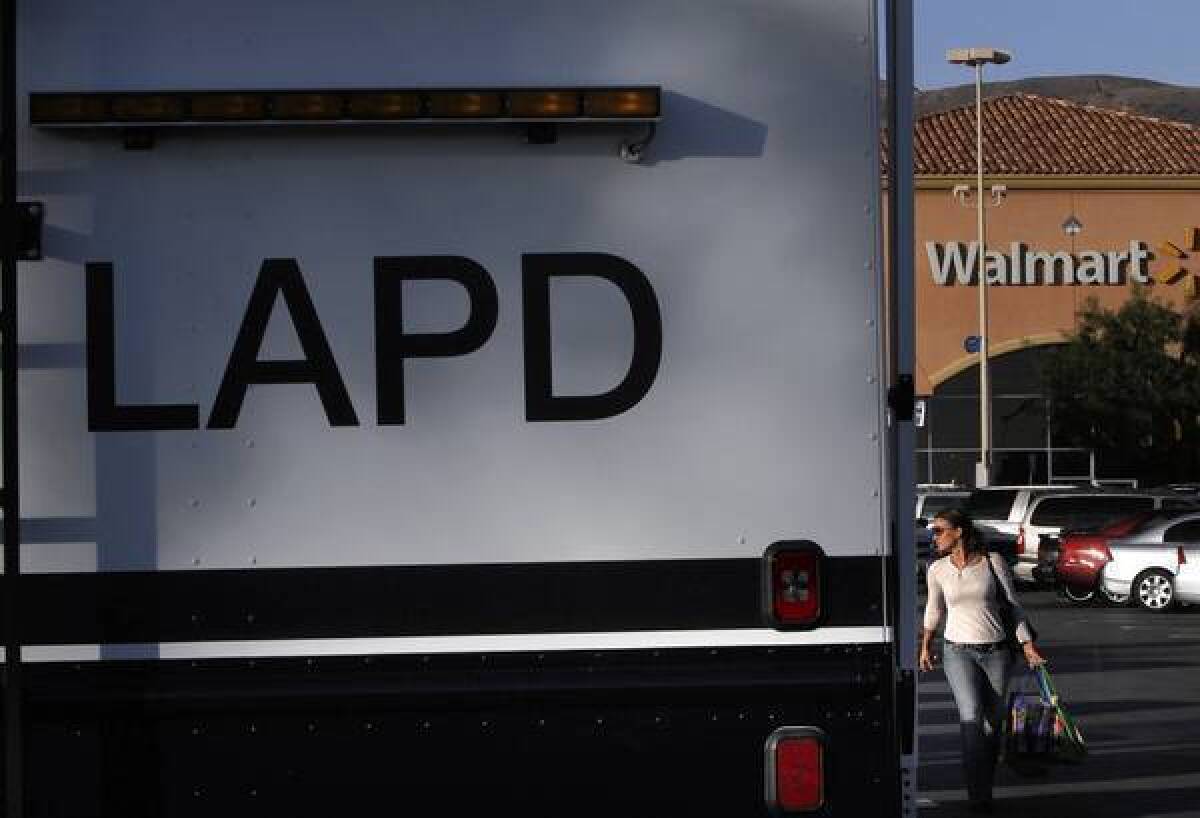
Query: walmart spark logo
[1174, 263]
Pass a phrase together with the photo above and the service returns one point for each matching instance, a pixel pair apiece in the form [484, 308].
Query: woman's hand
[926, 659]
[1032, 657]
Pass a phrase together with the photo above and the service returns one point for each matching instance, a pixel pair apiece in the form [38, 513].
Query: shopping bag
[1068, 744]
[1027, 734]
[1038, 729]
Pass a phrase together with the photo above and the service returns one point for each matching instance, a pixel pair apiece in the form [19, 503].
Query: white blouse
[971, 601]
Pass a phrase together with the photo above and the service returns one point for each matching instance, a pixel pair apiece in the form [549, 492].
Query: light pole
[1073, 227]
[977, 58]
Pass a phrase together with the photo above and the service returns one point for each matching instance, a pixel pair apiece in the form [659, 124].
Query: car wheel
[1078, 595]
[1153, 590]
[1113, 598]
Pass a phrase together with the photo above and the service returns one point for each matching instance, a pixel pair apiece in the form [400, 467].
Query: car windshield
[990, 504]
[1119, 528]
[1159, 517]
[1086, 510]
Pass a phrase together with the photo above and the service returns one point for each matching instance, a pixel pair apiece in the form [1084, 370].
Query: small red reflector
[795, 771]
[1182, 556]
[795, 586]
[1021, 540]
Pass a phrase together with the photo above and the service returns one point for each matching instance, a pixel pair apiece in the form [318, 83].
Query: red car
[1083, 554]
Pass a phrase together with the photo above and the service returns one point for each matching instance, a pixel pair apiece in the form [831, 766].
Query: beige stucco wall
[1037, 313]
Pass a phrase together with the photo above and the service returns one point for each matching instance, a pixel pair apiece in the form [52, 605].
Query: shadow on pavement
[1166, 796]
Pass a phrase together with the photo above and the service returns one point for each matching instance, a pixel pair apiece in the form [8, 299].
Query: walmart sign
[959, 262]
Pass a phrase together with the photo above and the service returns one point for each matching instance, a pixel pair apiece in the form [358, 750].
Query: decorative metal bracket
[965, 195]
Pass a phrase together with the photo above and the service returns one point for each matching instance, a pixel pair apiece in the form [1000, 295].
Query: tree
[1127, 384]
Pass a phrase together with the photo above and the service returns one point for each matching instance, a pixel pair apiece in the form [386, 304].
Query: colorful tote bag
[1038, 728]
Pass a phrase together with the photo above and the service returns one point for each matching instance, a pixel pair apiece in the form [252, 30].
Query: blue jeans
[978, 676]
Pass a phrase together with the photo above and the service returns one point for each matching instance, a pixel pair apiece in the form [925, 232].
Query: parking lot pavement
[1132, 680]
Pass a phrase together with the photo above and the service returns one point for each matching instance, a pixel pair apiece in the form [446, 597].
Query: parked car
[1075, 559]
[1050, 513]
[998, 512]
[934, 498]
[931, 500]
[1157, 564]
[1013, 519]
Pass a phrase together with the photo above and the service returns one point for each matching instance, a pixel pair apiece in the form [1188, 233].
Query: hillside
[1157, 99]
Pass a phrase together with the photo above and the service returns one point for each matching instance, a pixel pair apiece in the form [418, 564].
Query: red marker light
[795, 770]
[794, 584]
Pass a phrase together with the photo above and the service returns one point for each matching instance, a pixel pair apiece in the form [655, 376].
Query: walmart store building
[1081, 202]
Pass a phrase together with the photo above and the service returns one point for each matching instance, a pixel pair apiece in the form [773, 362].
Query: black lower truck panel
[616, 733]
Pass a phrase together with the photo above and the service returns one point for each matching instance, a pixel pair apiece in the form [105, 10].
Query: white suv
[999, 511]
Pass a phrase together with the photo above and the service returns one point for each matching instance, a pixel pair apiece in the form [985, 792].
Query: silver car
[1157, 564]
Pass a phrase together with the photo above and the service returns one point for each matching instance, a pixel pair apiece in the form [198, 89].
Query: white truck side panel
[753, 217]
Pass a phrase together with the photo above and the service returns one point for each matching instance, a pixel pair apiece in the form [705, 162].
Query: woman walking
[971, 587]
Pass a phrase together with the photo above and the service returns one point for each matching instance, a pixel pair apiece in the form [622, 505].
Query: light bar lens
[465, 104]
[147, 108]
[52, 108]
[307, 106]
[535, 104]
[633, 103]
[228, 107]
[385, 105]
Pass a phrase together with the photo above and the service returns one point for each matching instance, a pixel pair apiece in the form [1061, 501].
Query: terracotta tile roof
[1026, 134]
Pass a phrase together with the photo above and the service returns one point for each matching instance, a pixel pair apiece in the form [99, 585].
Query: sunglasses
[938, 530]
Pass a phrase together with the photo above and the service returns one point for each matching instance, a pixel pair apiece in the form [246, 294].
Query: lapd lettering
[283, 277]
[392, 345]
[104, 413]
[540, 403]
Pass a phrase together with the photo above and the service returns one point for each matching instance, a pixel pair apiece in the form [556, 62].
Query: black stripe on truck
[670, 733]
[431, 600]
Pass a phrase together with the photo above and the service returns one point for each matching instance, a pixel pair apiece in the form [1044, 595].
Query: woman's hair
[972, 542]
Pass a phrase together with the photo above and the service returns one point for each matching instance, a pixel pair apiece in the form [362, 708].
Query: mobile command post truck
[448, 408]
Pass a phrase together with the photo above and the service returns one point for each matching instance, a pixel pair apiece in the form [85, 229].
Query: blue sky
[1151, 39]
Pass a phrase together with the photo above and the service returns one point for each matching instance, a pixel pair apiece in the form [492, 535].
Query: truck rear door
[413, 393]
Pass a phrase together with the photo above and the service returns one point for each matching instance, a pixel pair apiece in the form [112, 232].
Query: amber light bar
[407, 105]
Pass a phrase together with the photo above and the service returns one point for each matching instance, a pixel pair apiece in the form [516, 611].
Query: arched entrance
[1022, 441]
